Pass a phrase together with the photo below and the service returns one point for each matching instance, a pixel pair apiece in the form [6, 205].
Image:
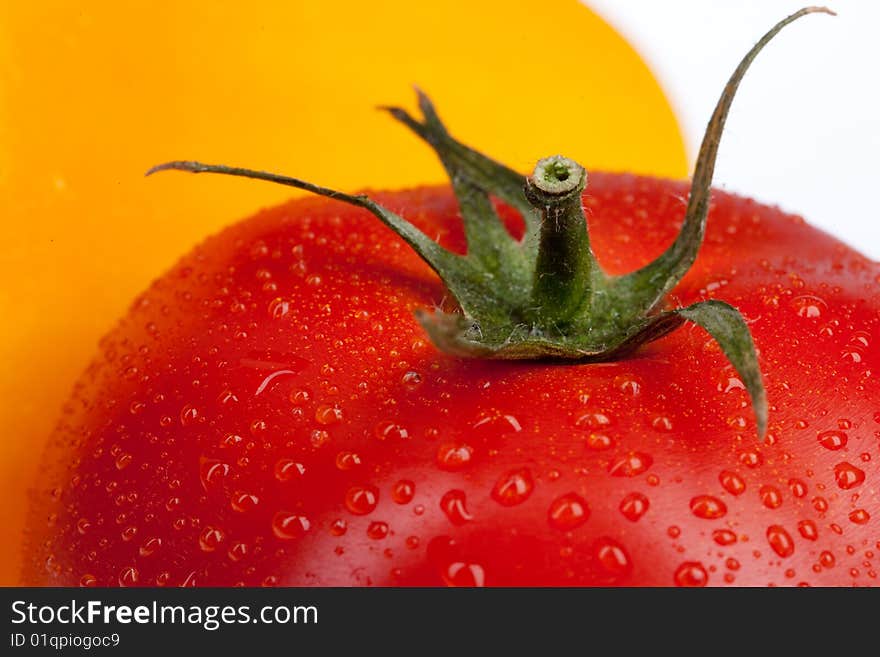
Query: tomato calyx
[545, 295]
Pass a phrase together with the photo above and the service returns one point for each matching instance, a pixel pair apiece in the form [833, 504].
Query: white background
[804, 131]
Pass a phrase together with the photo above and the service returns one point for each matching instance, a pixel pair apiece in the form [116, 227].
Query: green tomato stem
[565, 263]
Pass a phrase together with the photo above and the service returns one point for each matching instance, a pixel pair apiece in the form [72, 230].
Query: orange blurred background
[92, 94]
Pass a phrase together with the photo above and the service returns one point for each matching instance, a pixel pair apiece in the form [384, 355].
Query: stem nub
[555, 179]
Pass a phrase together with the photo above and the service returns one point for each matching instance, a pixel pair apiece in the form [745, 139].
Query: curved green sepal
[435, 255]
[727, 326]
[646, 287]
[488, 240]
[464, 162]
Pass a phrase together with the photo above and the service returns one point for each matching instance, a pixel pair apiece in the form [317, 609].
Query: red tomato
[269, 413]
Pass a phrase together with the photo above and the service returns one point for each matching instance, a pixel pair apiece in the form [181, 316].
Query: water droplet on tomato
[189, 414]
[599, 441]
[287, 525]
[411, 380]
[454, 505]
[123, 461]
[630, 464]
[347, 460]
[832, 440]
[150, 547]
[377, 530]
[495, 424]
[780, 540]
[361, 500]
[318, 438]
[797, 487]
[288, 470]
[403, 491]
[851, 356]
[661, 424]
[210, 538]
[727, 382]
[454, 456]
[708, 507]
[242, 502]
[628, 385]
[751, 458]
[338, 527]
[592, 421]
[732, 482]
[300, 396]
[770, 497]
[808, 306]
[390, 431]
[88, 580]
[83, 525]
[227, 397]
[848, 476]
[212, 473]
[461, 574]
[612, 557]
[326, 414]
[827, 559]
[568, 512]
[691, 574]
[129, 576]
[634, 506]
[859, 516]
[278, 308]
[724, 537]
[237, 551]
[513, 487]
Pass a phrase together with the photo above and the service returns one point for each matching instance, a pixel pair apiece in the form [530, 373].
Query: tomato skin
[270, 413]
